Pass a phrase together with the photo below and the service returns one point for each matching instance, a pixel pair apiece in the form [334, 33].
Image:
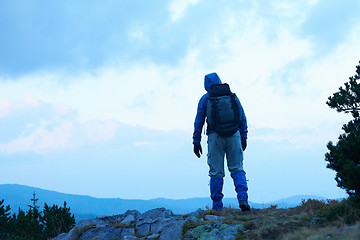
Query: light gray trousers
[218, 148]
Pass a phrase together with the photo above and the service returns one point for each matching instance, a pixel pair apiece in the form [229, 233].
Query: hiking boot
[244, 205]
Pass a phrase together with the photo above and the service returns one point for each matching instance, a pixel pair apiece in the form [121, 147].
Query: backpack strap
[235, 106]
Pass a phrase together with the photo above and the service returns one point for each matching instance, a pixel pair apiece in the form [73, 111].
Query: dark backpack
[222, 113]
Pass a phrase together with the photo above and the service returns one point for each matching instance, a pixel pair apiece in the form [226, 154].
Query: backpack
[222, 113]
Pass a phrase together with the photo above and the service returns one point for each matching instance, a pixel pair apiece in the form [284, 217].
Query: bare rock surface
[159, 223]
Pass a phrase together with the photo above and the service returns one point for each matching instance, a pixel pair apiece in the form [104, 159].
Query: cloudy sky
[99, 98]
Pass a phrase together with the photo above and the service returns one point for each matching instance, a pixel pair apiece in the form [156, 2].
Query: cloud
[31, 125]
[99, 131]
[71, 36]
[138, 35]
[275, 73]
[41, 140]
[329, 23]
[7, 107]
[178, 7]
[82, 36]
[49, 128]
[144, 143]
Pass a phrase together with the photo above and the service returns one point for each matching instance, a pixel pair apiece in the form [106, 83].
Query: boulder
[157, 213]
[158, 225]
[128, 233]
[134, 213]
[154, 221]
[172, 230]
[197, 212]
[143, 229]
[81, 227]
[128, 220]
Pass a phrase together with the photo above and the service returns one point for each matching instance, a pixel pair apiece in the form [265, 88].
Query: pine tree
[26, 225]
[347, 99]
[344, 157]
[33, 224]
[33, 215]
[21, 227]
[4, 219]
[56, 220]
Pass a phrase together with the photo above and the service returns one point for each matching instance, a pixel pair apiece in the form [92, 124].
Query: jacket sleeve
[200, 119]
[243, 122]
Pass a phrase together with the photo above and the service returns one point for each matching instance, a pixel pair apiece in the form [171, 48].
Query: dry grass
[313, 219]
[330, 232]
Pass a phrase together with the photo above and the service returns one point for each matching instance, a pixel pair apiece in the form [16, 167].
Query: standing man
[227, 134]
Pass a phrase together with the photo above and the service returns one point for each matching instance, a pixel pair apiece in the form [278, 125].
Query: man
[222, 140]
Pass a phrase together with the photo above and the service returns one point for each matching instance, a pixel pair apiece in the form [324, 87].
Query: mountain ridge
[84, 207]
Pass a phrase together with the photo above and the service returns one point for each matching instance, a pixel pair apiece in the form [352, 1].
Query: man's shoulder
[204, 97]
[203, 101]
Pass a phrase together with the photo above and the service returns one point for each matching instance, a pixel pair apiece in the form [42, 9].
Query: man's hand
[243, 143]
[197, 149]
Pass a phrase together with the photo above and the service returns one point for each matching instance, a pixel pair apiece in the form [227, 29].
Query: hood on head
[211, 79]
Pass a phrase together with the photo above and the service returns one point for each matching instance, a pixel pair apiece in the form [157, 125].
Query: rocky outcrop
[157, 223]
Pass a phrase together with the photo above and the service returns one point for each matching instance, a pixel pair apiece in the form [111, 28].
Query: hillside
[313, 219]
[85, 207]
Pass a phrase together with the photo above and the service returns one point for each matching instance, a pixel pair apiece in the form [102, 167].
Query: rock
[197, 212]
[128, 233]
[225, 231]
[159, 224]
[195, 233]
[192, 220]
[154, 221]
[214, 231]
[130, 214]
[81, 227]
[153, 236]
[143, 228]
[130, 238]
[61, 236]
[102, 233]
[112, 219]
[172, 230]
[135, 213]
[214, 218]
[128, 219]
[157, 213]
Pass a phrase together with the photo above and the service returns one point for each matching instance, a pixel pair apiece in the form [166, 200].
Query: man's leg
[216, 185]
[216, 155]
[241, 189]
[234, 156]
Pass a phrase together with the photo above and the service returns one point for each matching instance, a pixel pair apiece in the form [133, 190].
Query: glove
[197, 149]
[243, 143]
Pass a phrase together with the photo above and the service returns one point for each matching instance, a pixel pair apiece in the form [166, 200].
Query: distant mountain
[84, 207]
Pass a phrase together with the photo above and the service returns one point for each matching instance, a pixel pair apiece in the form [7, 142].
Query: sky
[99, 98]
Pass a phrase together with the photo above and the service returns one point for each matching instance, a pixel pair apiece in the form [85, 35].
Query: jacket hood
[211, 79]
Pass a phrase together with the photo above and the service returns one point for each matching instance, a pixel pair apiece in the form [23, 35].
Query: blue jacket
[211, 79]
